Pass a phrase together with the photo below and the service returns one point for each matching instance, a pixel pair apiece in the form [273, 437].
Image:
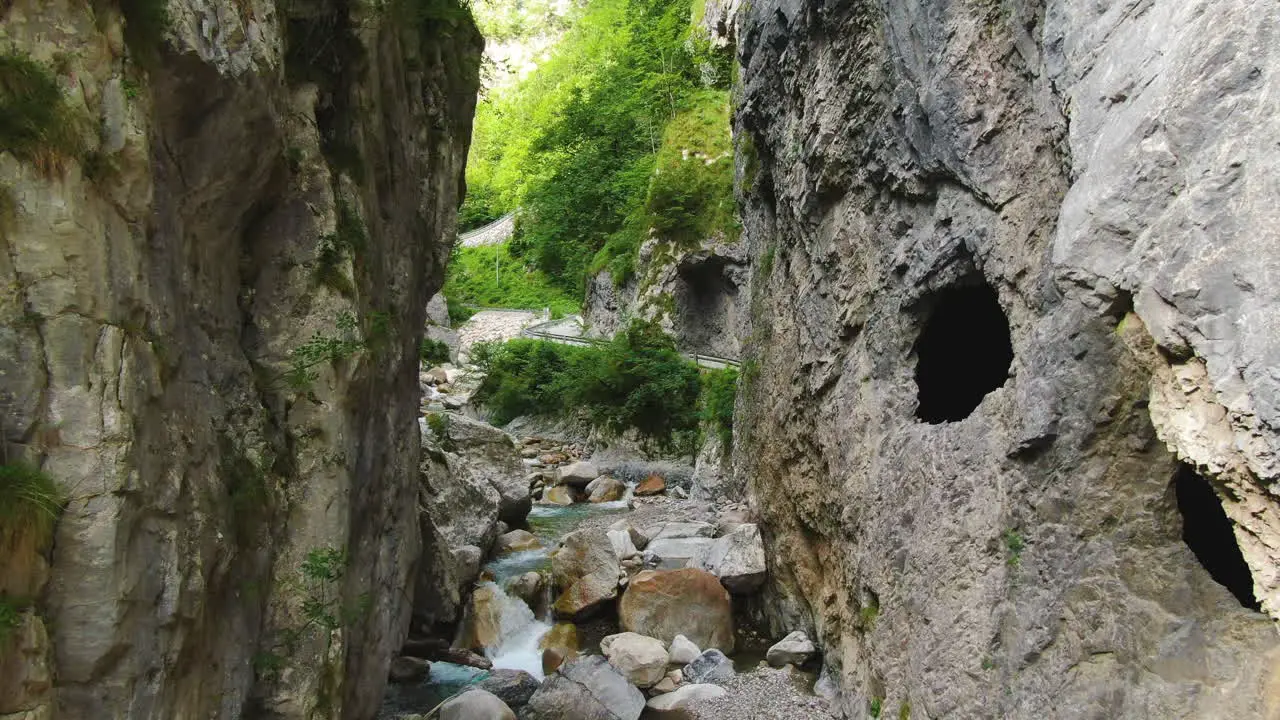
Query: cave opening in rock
[964, 352]
[1208, 532]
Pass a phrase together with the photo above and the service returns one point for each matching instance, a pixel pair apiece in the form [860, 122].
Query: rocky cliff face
[209, 340]
[1009, 414]
[695, 293]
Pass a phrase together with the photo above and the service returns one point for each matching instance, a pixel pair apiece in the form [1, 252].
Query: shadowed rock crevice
[1208, 532]
[963, 352]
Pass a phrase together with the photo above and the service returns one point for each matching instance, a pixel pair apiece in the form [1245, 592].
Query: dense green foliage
[29, 504]
[36, 123]
[638, 381]
[632, 88]
[719, 390]
[433, 352]
[472, 281]
[501, 20]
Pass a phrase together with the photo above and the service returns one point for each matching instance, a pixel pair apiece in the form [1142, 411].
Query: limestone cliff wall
[1107, 171]
[209, 339]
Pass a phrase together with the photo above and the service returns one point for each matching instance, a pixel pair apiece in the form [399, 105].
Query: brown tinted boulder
[688, 601]
[585, 570]
[652, 485]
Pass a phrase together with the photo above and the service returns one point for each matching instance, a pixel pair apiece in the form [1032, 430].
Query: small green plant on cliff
[719, 391]
[1014, 544]
[36, 123]
[29, 504]
[10, 619]
[321, 349]
[347, 241]
[904, 711]
[438, 423]
[874, 708]
[322, 611]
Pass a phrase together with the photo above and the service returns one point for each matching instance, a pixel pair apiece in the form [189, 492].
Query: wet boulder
[475, 704]
[588, 688]
[605, 489]
[586, 571]
[513, 687]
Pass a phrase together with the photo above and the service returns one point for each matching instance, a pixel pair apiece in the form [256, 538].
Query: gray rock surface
[737, 558]
[684, 696]
[670, 554]
[1106, 169]
[642, 659]
[585, 572]
[712, 666]
[578, 474]
[513, 687]
[794, 649]
[475, 704]
[682, 651]
[588, 688]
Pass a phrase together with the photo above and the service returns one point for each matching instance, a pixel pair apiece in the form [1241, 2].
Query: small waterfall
[519, 633]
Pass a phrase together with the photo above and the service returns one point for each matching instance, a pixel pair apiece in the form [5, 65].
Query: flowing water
[520, 630]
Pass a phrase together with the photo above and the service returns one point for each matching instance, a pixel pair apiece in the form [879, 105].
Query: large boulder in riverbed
[794, 649]
[483, 626]
[642, 659]
[559, 645]
[585, 569]
[652, 485]
[578, 474]
[475, 704]
[689, 602]
[605, 489]
[516, 541]
[680, 529]
[470, 480]
[675, 553]
[513, 687]
[588, 688]
[738, 559]
[559, 495]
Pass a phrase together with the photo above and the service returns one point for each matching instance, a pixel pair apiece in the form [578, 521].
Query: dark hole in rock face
[1207, 531]
[963, 353]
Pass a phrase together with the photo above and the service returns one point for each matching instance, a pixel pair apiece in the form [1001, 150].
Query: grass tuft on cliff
[29, 504]
[37, 125]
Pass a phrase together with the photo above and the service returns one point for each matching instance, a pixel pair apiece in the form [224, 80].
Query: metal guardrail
[493, 233]
[711, 362]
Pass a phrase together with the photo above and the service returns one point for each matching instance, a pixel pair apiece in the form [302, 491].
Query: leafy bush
[638, 381]
[575, 145]
[433, 352]
[719, 390]
[36, 123]
[29, 504]
[471, 281]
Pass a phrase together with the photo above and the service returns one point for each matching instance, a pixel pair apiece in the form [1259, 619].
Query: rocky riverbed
[588, 585]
